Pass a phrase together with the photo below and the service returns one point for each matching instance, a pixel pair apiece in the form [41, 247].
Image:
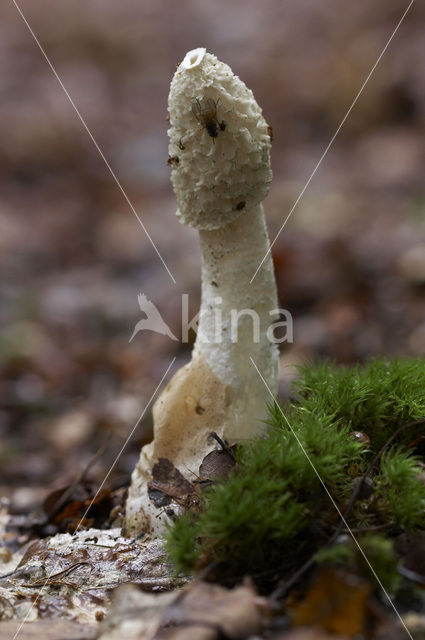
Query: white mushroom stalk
[220, 158]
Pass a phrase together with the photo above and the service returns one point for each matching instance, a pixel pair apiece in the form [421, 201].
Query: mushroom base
[193, 404]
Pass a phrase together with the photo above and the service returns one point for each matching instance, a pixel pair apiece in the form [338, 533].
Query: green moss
[400, 490]
[339, 554]
[375, 399]
[378, 549]
[275, 508]
[182, 548]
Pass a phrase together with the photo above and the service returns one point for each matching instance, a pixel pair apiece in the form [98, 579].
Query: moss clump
[376, 399]
[274, 510]
[378, 549]
[399, 489]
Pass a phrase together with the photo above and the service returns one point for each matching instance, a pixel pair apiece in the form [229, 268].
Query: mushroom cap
[222, 142]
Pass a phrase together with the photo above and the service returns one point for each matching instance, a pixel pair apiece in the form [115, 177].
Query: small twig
[202, 575]
[63, 499]
[410, 574]
[6, 575]
[223, 445]
[282, 588]
[50, 583]
[49, 580]
[179, 624]
[378, 527]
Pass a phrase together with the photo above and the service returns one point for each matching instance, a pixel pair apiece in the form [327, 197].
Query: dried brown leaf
[167, 479]
[336, 602]
[47, 629]
[236, 613]
[217, 464]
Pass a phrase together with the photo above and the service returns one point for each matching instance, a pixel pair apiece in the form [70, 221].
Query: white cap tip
[193, 58]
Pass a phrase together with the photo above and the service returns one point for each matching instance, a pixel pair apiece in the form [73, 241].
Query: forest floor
[350, 264]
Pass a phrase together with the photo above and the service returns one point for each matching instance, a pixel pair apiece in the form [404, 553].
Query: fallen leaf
[217, 464]
[168, 480]
[236, 613]
[158, 498]
[72, 575]
[336, 602]
[94, 507]
[308, 633]
[195, 631]
[46, 629]
[134, 614]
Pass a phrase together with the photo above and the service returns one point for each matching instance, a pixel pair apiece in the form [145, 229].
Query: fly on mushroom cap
[206, 115]
[226, 160]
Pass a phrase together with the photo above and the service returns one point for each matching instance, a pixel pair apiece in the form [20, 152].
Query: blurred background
[350, 264]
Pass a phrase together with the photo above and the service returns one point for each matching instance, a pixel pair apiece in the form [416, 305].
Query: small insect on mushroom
[206, 115]
[270, 132]
[172, 160]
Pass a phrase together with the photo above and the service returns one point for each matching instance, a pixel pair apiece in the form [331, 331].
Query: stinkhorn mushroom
[220, 150]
